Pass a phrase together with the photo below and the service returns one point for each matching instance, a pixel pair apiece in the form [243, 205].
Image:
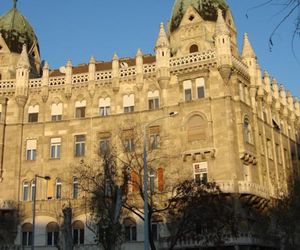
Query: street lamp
[47, 178]
[146, 209]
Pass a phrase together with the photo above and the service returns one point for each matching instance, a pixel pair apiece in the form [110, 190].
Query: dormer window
[194, 48]
[191, 18]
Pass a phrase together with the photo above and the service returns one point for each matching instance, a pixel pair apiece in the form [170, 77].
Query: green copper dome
[16, 31]
[206, 8]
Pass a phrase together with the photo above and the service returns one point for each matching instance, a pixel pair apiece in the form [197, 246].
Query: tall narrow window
[33, 113]
[56, 111]
[153, 99]
[0, 109]
[52, 234]
[25, 191]
[247, 131]
[152, 181]
[31, 150]
[187, 86]
[55, 146]
[128, 103]
[79, 145]
[154, 132]
[75, 188]
[270, 149]
[33, 188]
[58, 188]
[80, 109]
[78, 233]
[278, 154]
[104, 146]
[200, 88]
[104, 106]
[128, 140]
[130, 229]
[200, 172]
[27, 234]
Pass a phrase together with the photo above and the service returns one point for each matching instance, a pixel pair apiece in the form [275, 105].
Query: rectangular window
[33, 113]
[80, 109]
[75, 188]
[200, 172]
[31, 150]
[104, 106]
[200, 88]
[26, 238]
[187, 86]
[154, 142]
[78, 236]
[153, 103]
[104, 146]
[278, 154]
[33, 117]
[55, 146]
[128, 103]
[56, 112]
[79, 145]
[270, 149]
[56, 118]
[80, 112]
[129, 145]
[129, 109]
[104, 111]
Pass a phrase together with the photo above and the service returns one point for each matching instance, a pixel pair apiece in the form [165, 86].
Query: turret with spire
[249, 58]
[162, 50]
[223, 47]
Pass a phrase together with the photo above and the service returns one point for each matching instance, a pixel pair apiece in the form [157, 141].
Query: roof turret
[16, 31]
[207, 9]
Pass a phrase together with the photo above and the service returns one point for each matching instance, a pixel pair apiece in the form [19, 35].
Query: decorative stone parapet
[7, 205]
[246, 187]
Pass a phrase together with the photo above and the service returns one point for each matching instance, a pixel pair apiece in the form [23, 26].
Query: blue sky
[76, 29]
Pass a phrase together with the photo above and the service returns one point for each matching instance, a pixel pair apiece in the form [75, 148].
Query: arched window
[104, 106]
[33, 113]
[80, 109]
[25, 191]
[52, 234]
[56, 111]
[247, 131]
[27, 234]
[75, 188]
[194, 48]
[153, 99]
[128, 103]
[130, 229]
[196, 128]
[58, 188]
[78, 233]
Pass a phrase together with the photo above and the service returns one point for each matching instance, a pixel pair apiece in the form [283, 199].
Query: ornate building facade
[236, 125]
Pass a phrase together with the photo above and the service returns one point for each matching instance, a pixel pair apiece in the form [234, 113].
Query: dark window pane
[200, 91]
[33, 117]
[81, 236]
[75, 236]
[49, 238]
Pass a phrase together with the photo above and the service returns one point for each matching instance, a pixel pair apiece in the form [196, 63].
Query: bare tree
[201, 212]
[104, 198]
[288, 9]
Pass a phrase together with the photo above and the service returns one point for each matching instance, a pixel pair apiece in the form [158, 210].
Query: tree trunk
[67, 241]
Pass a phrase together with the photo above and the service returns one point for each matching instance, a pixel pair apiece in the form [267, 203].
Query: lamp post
[47, 178]
[146, 209]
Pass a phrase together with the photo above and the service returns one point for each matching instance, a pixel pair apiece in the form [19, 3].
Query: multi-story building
[235, 124]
